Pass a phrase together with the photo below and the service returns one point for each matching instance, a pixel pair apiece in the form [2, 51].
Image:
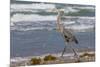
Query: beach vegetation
[35, 61]
[87, 54]
[50, 58]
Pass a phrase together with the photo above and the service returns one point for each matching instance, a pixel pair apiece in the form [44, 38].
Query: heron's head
[61, 12]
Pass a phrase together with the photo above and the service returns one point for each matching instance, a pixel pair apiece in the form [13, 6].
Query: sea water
[39, 42]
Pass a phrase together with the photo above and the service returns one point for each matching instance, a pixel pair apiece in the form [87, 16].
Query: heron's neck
[59, 19]
[59, 24]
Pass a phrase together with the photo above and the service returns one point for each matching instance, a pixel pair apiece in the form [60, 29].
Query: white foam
[92, 8]
[79, 17]
[80, 27]
[24, 10]
[36, 17]
[32, 6]
[70, 9]
[32, 17]
[69, 22]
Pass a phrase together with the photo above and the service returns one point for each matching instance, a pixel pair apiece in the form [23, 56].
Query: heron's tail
[76, 41]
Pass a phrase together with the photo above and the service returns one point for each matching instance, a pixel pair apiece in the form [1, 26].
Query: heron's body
[67, 35]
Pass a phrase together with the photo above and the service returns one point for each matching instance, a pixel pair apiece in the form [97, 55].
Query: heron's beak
[57, 10]
[54, 10]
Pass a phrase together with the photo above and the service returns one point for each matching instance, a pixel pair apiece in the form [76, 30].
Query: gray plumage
[67, 35]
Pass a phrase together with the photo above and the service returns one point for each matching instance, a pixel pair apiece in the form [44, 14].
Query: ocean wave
[42, 6]
[36, 22]
[32, 6]
[32, 17]
[80, 27]
[36, 17]
[72, 27]
[70, 9]
[46, 9]
[32, 28]
[91, 8]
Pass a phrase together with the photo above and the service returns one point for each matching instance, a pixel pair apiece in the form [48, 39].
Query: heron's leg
[63, 51]
[75, 53]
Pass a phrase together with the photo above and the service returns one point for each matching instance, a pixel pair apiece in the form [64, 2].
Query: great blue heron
[67, 35]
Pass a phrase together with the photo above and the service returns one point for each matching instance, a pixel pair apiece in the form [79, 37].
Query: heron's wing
[69, 36]
[68, 33]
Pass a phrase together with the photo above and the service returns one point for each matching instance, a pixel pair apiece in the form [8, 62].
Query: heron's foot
[76, 56]
[61, 56]
[77, 60]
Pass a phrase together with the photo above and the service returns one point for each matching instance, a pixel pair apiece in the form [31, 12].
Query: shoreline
[67, 58]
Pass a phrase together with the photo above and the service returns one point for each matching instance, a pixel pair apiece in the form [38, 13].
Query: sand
[67, 58]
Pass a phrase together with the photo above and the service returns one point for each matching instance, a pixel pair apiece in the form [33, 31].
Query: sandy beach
[67, 58]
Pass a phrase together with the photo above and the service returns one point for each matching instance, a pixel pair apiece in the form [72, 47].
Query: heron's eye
[61, 13]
